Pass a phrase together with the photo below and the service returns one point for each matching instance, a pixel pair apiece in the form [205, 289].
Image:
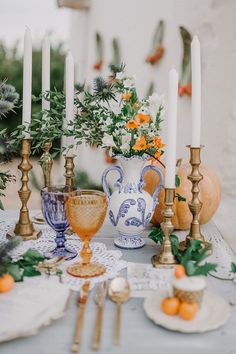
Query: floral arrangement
[112, 116]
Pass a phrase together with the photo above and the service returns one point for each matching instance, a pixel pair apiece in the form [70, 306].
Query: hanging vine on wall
[185, 87]
[99, 52]
[158, 49]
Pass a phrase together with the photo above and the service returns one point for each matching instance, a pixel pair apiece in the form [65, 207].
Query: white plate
[214, 312]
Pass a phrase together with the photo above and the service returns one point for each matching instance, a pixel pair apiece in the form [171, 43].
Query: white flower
[120, 75]
[115, 107]
[108, 121]
[155, 102]
[125, 142]
[107, 141]
[155, 99]
[130, 82]
[144, 110]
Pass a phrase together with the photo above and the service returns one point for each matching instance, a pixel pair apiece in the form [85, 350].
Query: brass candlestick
[166, 257]
[47, 163]
[69, 170]
[24, 227]
[195, 205]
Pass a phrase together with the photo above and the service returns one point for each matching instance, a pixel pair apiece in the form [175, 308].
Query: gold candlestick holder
[195, 205]
[166, 257]
[24, 226]
[69, 170]
[47, 163]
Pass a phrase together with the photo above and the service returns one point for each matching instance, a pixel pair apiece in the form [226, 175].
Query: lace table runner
[111, 259]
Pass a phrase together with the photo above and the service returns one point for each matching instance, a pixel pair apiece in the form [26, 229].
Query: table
[139, 335]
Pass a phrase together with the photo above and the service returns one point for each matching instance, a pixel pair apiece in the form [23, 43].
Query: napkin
[31, 305]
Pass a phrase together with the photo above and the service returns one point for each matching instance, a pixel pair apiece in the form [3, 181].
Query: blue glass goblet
[53, 208]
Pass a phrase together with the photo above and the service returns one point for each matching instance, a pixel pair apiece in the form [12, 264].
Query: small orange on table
[187, 311]
[180, 271]
[170, 306]
[6, 283]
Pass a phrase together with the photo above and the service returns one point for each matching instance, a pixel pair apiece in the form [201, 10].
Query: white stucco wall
[133, 23]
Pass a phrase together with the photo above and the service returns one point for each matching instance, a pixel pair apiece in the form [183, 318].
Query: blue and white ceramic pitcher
[130, 207]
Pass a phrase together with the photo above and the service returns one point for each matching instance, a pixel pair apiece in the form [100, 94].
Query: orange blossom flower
[131, 124]
[140, 144]
[126, 96]
[157, 142]
[142, 118]
[157, 154]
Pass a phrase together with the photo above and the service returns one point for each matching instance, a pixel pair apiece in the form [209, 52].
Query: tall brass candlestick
[166, 257]
[195, 205]
[47, 163]
[69, 170]
[24, 226]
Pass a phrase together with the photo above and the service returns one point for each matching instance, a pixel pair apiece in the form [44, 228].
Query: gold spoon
[119, 292]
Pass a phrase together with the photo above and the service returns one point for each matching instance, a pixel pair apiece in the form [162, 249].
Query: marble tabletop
[138, 335]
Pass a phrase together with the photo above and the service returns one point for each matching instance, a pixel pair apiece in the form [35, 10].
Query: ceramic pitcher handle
[118, 182]
[159, 186]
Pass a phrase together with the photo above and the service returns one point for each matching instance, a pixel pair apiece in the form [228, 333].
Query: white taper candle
[171, 129]
[196, 92]
[69, 97]
[27, 78]
[45, 70]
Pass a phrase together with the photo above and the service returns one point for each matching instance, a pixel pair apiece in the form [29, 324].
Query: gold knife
[84, 292]
[99, 298]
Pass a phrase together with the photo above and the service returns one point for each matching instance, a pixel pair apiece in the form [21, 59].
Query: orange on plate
[180, 271]
[170, 306]
[188, 311]
[6, 283]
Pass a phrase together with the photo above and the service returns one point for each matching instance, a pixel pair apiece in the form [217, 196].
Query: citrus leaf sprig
[24, 267]
[191, 258]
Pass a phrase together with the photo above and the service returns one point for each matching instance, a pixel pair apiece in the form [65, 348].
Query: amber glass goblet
[86, 211]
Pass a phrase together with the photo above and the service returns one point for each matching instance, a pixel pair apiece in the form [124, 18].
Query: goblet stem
[60, 239]
[86, 252]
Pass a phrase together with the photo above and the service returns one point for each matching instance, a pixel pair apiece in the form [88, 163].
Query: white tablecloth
[139, 334]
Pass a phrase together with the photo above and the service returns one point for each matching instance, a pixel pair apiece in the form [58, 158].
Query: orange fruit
[170, 306]
[180, 271]
[6, 283]
[188, 311]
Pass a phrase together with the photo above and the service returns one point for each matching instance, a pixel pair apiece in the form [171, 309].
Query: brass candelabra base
[69, 170]
[24, 226]
[166, 257]
[46, 162]
[195, 205]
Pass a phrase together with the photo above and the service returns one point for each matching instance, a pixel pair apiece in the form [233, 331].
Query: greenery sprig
[24, 267]
[191, 258]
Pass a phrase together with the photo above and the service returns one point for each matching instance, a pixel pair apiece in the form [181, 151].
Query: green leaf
[156, 235]
[174, 244]
[177, 181]
[195, 245]
[15, 271]
[233, 267]
[33, 256]
[30, 271]
[1, 205]
[180, 198]
[190, 268]
[205, 269]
